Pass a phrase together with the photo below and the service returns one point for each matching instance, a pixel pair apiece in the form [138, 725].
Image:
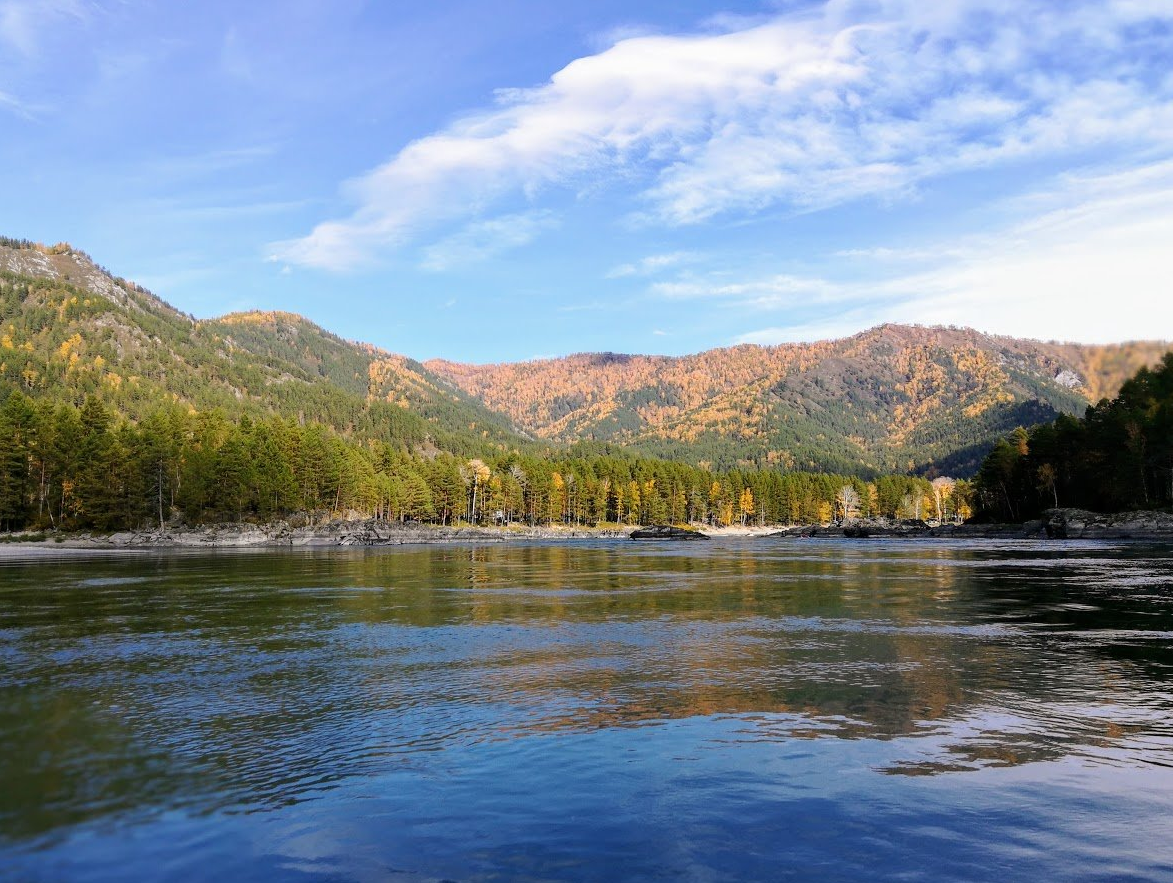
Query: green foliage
[80, 467]
[1118, 456]
[121, 412]
[893, 399]
[64, 343]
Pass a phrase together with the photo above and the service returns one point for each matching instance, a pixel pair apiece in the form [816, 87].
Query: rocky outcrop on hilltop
[67, 264]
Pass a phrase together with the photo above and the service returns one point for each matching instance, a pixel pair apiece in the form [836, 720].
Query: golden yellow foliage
[70, 345]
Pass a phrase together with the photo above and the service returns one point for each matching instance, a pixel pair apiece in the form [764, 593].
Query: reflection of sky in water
[558, 710]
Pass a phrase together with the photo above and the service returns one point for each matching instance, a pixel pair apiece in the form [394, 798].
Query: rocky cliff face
[66, 264]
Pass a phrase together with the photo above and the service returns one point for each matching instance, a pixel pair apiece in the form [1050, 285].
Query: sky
[501, 181]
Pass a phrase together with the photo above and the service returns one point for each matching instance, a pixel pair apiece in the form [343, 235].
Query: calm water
[733, 710]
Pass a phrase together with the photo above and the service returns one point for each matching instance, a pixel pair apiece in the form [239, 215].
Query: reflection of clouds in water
[1005, 735]
[265, 680]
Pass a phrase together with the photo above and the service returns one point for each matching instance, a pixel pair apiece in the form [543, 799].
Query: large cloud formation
[802, 110]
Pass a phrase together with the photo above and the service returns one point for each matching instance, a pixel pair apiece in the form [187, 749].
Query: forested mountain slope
[1117, 457]
[891, 398]
[894, 398]
[69, 329]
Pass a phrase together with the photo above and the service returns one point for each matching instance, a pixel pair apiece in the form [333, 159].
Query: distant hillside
[69, 329]
[892, 398]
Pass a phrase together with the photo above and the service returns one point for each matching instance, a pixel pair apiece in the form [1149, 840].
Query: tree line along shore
[70, 468]
[1118, 457]
[73, 468]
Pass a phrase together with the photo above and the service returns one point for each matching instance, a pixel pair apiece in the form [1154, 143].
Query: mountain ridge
[894, 397]
[69, 328]
[771, 404]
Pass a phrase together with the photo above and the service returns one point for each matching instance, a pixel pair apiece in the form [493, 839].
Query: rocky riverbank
[869, 528]
[368, 532]
[1058, 524]
[1079, 524]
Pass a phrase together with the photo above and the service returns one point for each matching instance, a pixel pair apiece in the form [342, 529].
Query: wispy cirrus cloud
[22, 22]
[485, 239]
[801, 110]
[765, 292]
[653, 264]
[16, 106]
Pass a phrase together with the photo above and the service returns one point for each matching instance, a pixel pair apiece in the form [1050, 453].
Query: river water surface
[596, 710]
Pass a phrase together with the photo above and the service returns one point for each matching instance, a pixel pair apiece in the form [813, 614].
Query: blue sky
[499, 181]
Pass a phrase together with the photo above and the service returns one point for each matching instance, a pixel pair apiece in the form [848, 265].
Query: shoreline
[281, 535]
[1058, 524]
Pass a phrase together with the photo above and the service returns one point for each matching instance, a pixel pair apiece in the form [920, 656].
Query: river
[741, 709]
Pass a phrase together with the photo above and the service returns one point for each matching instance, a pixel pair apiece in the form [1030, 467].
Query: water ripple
[588, 711]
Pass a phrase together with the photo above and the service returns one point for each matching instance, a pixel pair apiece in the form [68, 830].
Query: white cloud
[768, 292]
[652, 264]
[841, 325]
[590, 306]
[802, 110]
[1093, 264]
[485, 239]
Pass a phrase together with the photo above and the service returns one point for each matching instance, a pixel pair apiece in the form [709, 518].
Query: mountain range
[893, 398]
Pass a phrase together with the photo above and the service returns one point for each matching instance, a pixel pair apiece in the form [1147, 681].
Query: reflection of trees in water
[242, 680]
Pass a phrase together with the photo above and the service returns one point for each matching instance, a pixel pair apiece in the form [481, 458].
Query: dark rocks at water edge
[666, 532]
[1058, 524]
[301, 531]
[879, 528]
[1079, 524]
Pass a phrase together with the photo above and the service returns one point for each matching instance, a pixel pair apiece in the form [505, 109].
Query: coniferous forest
[73, 467]
[1119, 456]
[119, 412]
